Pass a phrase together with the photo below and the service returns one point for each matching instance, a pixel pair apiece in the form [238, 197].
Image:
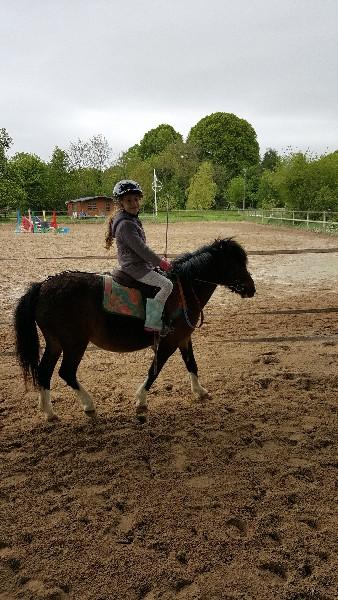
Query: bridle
[236, 287]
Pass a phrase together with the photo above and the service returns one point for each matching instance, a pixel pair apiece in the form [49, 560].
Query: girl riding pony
[134, 256]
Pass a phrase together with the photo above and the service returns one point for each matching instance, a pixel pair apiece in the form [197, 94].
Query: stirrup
[166, 329]
[163, 332]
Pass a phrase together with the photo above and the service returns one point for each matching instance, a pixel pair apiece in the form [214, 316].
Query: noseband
[236, 286]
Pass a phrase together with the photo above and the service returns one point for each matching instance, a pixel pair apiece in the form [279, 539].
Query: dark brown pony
[67, 307]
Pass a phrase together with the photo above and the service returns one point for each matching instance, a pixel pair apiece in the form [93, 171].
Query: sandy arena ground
[231, 498]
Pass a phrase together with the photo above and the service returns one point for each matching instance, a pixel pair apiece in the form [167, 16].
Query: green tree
[59, 180]
[325, 199]
[324, 174]
[235, 192]
[12, 196]
[268, 195]
[175, 166]
[302, 182]
[226, 140]
[270, 160]
[156, 140]
[292, 181]
[86, 182]
[202, 188]
[133, 153]
[29, 173]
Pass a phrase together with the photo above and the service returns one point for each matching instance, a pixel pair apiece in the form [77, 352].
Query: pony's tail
[27, 339]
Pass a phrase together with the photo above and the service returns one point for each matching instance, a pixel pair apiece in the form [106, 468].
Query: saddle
[148, 291]
[126, 296]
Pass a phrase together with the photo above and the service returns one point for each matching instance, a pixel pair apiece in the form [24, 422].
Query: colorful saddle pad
[122, 300]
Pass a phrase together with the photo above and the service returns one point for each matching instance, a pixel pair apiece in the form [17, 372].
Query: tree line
[217, 166]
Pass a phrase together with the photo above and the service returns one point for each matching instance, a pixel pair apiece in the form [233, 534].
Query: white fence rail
[324, 220]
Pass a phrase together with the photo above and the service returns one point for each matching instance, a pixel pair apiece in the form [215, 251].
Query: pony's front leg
[190, 362]
[161, 357]
[141, 398]
[46, 405]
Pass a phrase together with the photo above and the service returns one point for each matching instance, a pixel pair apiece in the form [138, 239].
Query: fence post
[307, 220]
[293, 217]
[324, 220]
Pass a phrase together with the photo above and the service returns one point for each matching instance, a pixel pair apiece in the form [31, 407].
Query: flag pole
[156, 185]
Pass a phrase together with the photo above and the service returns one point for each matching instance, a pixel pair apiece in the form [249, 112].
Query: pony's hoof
[90, 413]
[141, 413]
[203, 396]
[53, 417]
[141, 417]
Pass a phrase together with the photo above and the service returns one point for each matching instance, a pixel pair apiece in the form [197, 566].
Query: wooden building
[91, 206]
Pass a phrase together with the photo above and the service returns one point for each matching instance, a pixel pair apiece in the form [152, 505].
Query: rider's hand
[165, 265]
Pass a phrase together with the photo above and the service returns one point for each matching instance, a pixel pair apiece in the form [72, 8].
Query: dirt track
[231, 498]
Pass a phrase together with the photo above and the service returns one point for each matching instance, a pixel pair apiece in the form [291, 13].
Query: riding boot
[154, 310]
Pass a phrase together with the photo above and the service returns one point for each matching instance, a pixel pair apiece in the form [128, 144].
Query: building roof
[86, 198]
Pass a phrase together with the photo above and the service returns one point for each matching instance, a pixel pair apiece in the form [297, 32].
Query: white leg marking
[46, 405]
[141, 398]
[196, 387]
[85, 399]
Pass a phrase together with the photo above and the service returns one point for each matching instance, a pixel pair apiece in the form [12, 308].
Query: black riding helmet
[125, 186]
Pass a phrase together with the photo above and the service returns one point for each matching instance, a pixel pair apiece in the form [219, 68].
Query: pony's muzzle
[249, 288]
[245, 290]
[248, 293]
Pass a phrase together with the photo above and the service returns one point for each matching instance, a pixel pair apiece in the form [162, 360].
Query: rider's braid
[109, 236]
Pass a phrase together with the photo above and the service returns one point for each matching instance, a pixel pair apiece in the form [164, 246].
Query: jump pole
[18, 222]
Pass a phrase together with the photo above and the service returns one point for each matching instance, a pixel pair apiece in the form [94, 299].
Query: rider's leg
[155, 306]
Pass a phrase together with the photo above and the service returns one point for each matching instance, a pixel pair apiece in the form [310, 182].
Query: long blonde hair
[117, 208]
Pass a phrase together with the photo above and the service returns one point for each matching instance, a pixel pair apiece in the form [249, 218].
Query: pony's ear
[217, 244]
[220, 244]
[225, 243]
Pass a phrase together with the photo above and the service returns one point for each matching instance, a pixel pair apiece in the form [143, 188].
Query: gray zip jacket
[134, 256]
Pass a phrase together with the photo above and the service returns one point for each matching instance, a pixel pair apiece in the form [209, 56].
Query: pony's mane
[67, 272]
[192, 262]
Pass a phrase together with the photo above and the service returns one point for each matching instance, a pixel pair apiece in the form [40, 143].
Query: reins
[206, 281]
[185, 308]
[180, 287]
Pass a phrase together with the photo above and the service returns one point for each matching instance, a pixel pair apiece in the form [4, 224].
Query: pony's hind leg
[45, 371]
[190, 362]
[70, 362]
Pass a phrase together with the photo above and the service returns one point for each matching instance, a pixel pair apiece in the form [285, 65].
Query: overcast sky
[71, 69]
